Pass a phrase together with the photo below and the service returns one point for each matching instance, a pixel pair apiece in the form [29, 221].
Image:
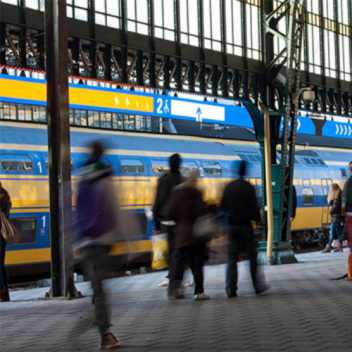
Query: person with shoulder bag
[335, 197]
[5, 206]
[185, 208]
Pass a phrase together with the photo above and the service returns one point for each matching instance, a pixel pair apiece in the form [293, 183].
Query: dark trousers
[192, 256]
[96, 262]
[4, 276]
[241, 238]
[171, 243]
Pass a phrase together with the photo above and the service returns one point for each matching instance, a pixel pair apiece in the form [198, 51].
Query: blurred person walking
[5, 206]
[163, 196]
[347, 212]
[97, 224]
[240, 203]
[335, 201]
[186, 205]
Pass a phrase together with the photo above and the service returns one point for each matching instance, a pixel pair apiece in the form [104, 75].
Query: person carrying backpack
[97, 224]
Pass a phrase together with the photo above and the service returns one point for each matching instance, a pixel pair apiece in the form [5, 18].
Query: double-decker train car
[137, 161]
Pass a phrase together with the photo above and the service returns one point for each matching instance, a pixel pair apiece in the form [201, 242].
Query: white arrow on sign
[337, 129]
[298, 124]
[341, 130]
[350, 130]
[345, 130]
[127, 102]
[116, 101]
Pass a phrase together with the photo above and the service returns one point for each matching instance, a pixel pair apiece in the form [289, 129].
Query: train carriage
[137, 160]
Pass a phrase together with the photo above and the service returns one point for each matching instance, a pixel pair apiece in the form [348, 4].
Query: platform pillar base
[282, 254]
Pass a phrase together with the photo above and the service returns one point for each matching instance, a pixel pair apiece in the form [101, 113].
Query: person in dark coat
[164, 190]
[240, 203]
[186, 205]
[5, 206]
[335, 197]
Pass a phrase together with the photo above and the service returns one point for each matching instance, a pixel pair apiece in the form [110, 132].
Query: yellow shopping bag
[160, 251]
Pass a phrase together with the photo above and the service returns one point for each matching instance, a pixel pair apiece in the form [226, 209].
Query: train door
[325, 208]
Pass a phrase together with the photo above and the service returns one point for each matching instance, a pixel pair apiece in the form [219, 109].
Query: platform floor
[303, 311]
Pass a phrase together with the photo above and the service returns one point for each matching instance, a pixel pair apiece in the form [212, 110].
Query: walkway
[303, 311]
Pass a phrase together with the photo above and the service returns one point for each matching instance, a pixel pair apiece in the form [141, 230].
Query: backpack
[88, 211]
[8, 230]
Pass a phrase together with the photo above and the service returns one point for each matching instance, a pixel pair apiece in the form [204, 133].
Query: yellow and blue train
[137, 161]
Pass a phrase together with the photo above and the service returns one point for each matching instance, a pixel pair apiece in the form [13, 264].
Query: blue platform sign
[337, 129]
[201, 111]
[305, 125]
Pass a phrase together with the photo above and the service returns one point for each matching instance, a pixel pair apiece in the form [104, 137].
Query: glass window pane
[32, 4]
[16, 162]
[215, 19]
[69, 11]
[142, 12]
[206, 16]
[113, 7]
[100, 19]
[81, 15]
[81, 3]
[131, 26]
[169, 35]
[212, 168]
[27, 229]
[131, 10]
[160, 166]
[142, 28]
[193, 17]
[131, 166]
[158, 15]
[187, 167]
[169, 14]
[99, 5]
[11, 2]
[113, 22]
[183, 15]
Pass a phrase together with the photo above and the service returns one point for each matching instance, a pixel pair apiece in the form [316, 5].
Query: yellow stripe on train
[42, 255]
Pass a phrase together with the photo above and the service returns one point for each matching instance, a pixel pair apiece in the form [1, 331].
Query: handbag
[205, 227]
[8, 230]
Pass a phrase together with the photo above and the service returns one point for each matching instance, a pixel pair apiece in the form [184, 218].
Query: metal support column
[284, 71]
[59, 149]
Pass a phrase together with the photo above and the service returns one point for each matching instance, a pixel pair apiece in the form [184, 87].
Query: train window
[27, 229]
[343, 173]
[321, 161]
[306, 182]
[46, 163]
[307, 160]
[308, 195]
[314, 161]
[212, 168]
[160, 166]
[187, 167]
[131, 166]
[16, 162]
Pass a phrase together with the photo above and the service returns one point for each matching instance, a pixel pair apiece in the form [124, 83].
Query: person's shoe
[201, 297]
[231, 294]
[262, 289]
[348, 278]
[327, 249]
[109, 341]
[178, 295]
[339, 248]
[4, 295]
[165, 283]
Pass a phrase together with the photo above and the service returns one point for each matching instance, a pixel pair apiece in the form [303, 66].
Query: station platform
[303, 311]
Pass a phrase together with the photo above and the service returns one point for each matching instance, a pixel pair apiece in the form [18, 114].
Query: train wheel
[321, 243]
[298, 244]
